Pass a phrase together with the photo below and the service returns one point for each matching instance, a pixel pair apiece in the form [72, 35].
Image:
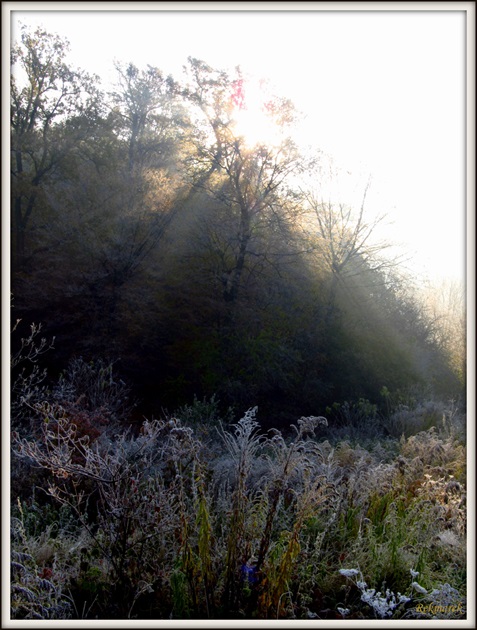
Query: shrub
[204, 416]
[92, 386]
[28, 379]
[409, 420]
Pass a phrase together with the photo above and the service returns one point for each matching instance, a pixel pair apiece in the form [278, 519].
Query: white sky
[383, 91]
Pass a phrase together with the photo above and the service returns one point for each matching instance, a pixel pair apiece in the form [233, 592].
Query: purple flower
[249, 574]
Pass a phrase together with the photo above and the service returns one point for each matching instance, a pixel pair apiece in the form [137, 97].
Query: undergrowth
[160, 525]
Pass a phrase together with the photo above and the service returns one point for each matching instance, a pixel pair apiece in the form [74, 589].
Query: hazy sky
[383, 92]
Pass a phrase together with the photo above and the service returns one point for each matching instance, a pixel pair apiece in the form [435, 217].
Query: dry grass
[254, 526]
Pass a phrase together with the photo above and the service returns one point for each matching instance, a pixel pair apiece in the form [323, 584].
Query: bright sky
[383, 93]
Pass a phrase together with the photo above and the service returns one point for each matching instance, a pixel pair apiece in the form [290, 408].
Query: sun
[252, 117]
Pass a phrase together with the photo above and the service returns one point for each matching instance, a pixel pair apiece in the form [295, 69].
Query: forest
[227, 401]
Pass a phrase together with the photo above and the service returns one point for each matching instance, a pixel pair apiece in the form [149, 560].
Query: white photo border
[469, 8]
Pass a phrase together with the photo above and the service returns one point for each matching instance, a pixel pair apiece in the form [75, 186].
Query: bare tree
[249, 182]
[446, 307]
[345, 243]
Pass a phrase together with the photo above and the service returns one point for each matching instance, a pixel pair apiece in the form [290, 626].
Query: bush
[92, 386]
[204, 416]
[409, 420]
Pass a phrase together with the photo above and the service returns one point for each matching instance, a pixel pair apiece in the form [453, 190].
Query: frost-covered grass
[226, 521]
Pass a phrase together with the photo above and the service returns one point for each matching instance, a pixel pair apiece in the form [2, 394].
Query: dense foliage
[169, 262]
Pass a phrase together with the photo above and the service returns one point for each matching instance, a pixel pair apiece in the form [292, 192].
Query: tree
[52, 109]
[344, 241]
[150, 114]
[104, 225]
[248, 182]
[445, 306]
[106, 201]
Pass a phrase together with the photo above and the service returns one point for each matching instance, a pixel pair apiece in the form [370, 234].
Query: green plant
[204, 416]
